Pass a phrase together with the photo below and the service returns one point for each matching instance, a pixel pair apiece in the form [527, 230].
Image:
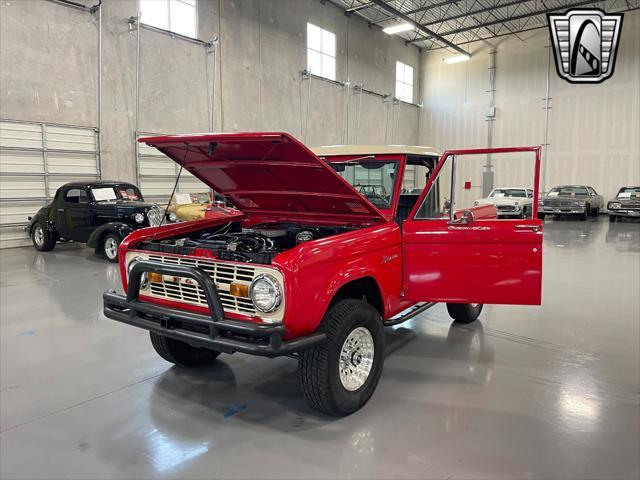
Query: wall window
[178, 16]
[321, 52]
[404, 82]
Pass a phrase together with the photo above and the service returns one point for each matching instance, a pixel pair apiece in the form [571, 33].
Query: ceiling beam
[362, 6]
[424, 30]
[509, 19]
[474, 12]
[520, 17]
[418, 10]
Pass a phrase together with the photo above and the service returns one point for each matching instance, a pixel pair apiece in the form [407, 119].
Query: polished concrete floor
[529, 392]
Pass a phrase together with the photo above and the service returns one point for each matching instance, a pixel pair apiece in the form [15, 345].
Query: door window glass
[437, 203]
[76, 195]
[497, 186]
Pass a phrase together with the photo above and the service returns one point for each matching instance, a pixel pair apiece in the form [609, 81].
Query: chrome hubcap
[356, 359]
[38, 236]
[111, 248]
[475, 305]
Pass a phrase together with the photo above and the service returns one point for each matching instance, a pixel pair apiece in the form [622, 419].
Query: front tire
[541, 215]
[464, 312]
[613, 218]
[180, 353]
[42, 239]
[585, 214]
[110, 246]
[339, 376]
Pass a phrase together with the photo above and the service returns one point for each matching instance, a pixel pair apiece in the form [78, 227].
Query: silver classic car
[580, 200]
[626, 204]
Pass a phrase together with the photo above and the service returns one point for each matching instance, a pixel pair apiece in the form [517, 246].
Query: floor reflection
[565, 232]
[624, 236]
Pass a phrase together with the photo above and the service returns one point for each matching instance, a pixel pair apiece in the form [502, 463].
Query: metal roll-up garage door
[157, 174]
[35, 159]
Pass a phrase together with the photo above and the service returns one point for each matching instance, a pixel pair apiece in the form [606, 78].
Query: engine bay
[255, 244]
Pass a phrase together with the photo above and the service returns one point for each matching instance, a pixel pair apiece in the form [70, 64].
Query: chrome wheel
[475, 305]
[111, 248]
[356, 359]
[38, 236]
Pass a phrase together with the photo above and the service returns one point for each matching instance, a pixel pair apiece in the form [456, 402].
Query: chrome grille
[154, 215]
[222, 274]
[506, 208]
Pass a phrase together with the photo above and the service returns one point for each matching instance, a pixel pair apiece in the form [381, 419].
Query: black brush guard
[213, 331]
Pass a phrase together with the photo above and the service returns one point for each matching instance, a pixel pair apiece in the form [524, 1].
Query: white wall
[594, 130]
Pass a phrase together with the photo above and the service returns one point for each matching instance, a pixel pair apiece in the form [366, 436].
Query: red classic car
[315, 268]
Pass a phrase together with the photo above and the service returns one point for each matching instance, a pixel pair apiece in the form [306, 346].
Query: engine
[258, 244]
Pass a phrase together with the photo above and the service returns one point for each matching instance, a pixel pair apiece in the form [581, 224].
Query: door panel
[489, 261]
[74, 215]
[473, 257]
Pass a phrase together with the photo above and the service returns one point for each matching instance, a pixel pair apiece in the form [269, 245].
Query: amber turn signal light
[239, 290]
[155, 277]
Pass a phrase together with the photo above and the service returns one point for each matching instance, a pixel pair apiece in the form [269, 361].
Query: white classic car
[515, 202]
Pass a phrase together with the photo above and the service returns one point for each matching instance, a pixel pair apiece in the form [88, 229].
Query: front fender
[316, 270]
[119, 228]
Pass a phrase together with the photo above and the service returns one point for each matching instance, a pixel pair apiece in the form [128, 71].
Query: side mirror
[466, 218]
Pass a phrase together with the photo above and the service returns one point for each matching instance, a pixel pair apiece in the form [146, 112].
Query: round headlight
[265, 293]
[144, 279]
[139, 217]
[614, 205]
[173, 217]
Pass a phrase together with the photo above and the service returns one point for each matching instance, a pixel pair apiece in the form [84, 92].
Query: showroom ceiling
[454, 23]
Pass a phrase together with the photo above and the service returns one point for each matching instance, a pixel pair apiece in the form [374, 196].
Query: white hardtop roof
[333, 150]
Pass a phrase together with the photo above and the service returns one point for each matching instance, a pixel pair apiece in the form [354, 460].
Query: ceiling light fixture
[402, 27]
[457, 59]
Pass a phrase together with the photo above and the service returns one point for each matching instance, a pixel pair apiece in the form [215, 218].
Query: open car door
[459, 252]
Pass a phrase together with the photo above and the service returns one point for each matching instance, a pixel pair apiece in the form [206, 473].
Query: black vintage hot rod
[99, 214]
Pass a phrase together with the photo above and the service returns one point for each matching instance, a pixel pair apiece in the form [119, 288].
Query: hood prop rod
[173, 192]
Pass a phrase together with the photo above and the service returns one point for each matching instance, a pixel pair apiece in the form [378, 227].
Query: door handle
[533, 228]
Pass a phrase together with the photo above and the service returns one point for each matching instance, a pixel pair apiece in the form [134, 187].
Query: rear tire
[180, 353]
[339, 376]
[110, 246]
[464, 312]
[42, 238]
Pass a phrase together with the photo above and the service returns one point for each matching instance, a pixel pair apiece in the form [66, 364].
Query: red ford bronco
[329, 246]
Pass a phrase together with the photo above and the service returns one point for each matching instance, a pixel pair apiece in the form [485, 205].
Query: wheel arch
[97, 236]
[364, 288]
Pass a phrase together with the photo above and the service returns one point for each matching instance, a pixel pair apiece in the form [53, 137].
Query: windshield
[628, 192]
[508, 192]
[373, 179]
[117, 192]
[568, 191]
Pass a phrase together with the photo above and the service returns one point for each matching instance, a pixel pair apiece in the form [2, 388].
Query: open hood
[269, 174]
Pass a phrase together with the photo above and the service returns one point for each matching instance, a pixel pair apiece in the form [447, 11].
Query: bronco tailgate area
[319, 239]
